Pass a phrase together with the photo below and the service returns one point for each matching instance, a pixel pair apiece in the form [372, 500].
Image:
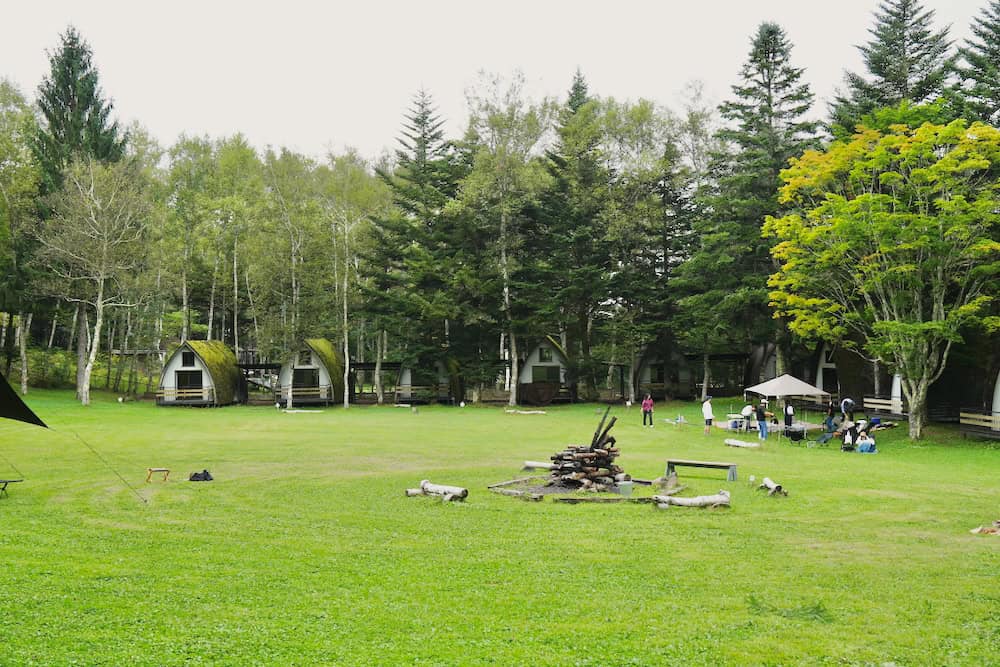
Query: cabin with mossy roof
[313, 374]
[200, 372]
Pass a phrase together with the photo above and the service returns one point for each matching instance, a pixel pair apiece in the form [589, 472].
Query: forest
[612, 226]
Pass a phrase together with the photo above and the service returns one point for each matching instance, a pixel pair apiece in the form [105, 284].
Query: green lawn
[305, 551]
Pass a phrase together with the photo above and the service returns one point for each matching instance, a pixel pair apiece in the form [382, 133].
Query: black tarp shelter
[12, 407]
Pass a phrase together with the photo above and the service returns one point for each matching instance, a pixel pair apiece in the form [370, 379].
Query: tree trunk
[72, 330]
[706, 377]
[111, 355]
[877, 371]
[236, 298]
[185, 304]
[23, 346]
[253, 310]
[916, 396]
[211, 298]
[52, 333]
[3, 329]
[95, 344]
[123, 357]
[347, 347]
[82, 345]
[380, 341]
[632, 379]
[514, 369]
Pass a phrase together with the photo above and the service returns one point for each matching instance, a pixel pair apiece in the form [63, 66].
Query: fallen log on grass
[519, 480]
[524, 495]
[721, 499]
[573, 500]
[414, 492]
[772, 487]
[733, 442]
[539, 465]
[667, 493]
[446, 492]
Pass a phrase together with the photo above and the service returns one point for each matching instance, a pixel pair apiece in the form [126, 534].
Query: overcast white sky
[314, 76]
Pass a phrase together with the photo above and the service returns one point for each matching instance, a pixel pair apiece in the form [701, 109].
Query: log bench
[674, 463]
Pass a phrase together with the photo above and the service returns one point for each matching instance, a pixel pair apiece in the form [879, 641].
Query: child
[706, 412]
[647, 410]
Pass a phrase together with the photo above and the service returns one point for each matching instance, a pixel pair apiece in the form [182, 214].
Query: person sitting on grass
[866, 443]
[647, 410]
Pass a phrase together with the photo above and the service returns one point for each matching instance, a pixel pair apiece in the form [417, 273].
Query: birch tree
[508, 131]
[95, 241]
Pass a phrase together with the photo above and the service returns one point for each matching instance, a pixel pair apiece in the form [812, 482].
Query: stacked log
[590, 466]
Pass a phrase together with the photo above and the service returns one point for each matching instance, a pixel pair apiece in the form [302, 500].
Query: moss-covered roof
[327, 354]
[221, 364]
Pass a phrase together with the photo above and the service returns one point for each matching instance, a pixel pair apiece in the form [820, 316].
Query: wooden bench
[150, 471]
[5, 482]
[674, 463]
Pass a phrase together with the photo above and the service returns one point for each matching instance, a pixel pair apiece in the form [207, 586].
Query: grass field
[304, 551]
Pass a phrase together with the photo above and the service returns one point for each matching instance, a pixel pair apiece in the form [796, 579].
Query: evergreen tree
[980, 68]
[571, 258]
[905, 59]
[723, 286]
[408, 271]
[77, 118]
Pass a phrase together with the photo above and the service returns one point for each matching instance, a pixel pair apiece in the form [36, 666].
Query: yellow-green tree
[894, 243]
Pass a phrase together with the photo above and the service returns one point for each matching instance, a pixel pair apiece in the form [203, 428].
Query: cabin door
[189, 385]
[303, 378]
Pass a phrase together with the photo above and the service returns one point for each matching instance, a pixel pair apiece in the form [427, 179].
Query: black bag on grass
[203, 476]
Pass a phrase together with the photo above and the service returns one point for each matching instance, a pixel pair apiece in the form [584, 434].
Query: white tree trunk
[52, 332]
[185, 305]
[380, 342]
[706, 378]
[25, 327]
[95, 344]
[211, 298]
[236, 297]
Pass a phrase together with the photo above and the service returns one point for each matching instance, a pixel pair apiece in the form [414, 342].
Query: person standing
[706, 412]
[789, 415]
[847, 409]
[761, 421]
[647, 410]
[831, 411]
[748, 416]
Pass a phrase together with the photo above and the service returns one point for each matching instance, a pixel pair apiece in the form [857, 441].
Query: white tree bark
[25, 328]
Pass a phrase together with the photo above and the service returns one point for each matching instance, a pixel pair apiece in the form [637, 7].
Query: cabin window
[305, 358]
[189, 380]
[656, 374]
[544, 354]
[828, 355]
[305, 377]
[545, 374]
[187, 358]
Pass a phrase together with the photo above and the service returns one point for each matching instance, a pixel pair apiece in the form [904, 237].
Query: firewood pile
[591, 467]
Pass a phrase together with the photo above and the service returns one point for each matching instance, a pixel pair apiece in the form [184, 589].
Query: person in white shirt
[706, 412]
[789, 415]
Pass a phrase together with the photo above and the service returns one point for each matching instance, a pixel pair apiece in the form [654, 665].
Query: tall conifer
[980, 67]
[77, 118]
[906, 60]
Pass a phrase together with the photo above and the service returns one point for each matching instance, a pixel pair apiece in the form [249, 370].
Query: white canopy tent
[785, 386]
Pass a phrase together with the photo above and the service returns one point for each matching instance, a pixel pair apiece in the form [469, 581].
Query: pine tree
[571, 257]
[980, 69]
[409, 271]
[77, 118]
[905, 59]
[723, 286]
